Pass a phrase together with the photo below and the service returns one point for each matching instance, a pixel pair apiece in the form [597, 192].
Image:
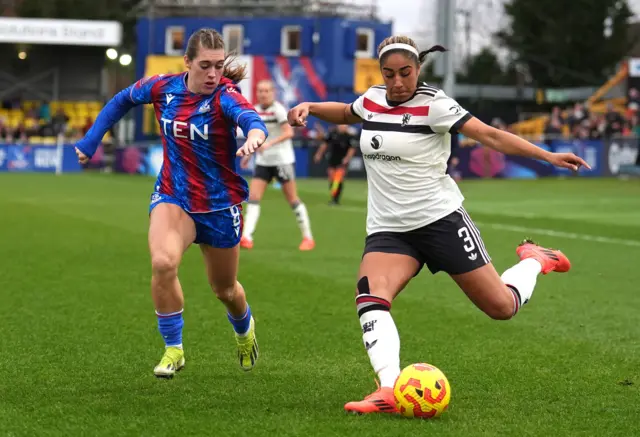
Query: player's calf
[504, 308]
[170, 326]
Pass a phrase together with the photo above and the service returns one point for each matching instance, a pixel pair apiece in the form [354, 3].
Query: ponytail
[423, 54]
[234, 71]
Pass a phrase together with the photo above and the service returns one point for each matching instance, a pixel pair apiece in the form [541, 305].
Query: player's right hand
[244, 162]
[250, 146]
[297, 115]
[82, 158]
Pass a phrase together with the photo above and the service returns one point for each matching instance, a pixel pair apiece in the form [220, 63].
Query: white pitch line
[540, 231]
[561, 234]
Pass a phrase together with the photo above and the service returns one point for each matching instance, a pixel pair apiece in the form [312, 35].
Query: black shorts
[283, 173]
[451, 244]
[335, 163]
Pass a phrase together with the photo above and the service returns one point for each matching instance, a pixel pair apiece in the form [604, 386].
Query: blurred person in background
[88, 123]
[614, 122]
[553, 128]
[633, 101]
[21, 133]
[576, 118]
[274, 160]
[44, 111]
[5, 132]
[341, 144]
[59, 122]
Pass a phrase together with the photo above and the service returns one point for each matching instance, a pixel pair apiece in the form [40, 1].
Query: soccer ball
[422, 391]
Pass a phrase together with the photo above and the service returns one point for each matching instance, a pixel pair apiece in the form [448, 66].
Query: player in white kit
[274, 160]
[414, 209]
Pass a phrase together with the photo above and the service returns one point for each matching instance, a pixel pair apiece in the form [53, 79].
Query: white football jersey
[405, 148]
[282, 153]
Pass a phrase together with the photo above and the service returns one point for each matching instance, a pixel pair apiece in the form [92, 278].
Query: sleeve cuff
[458, 124]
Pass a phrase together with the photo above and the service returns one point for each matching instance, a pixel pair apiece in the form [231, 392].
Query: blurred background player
[274, 160]
[415, 215]
[198, 193]
[341, 144]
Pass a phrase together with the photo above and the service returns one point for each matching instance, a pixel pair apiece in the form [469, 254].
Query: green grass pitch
[79, 337]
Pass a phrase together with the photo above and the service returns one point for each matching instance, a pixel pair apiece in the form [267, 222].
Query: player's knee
[374, 285]
[225, 293]
[295, 202]
[502, 310]
[164, 264]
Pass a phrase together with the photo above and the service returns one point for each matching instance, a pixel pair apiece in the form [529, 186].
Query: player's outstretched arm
[332, 112]
[511, 144]
[112, 112]
[136, 94]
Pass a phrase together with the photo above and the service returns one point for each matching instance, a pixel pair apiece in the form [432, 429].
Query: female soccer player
[198, 194]
[275, 159]
[415, 214]
[342, 146]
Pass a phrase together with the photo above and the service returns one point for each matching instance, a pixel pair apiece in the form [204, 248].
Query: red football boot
[551, 260]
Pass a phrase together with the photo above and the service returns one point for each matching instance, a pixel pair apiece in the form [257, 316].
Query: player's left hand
[250, 146]
[567, 160]
[82, 158]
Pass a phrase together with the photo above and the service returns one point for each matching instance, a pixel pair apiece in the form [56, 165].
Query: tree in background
[567, 42]
[484, 68]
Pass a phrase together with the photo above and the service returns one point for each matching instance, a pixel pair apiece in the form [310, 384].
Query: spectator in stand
[596, 126]
[634, 125]
[44, 112]
[87, 125]
[5, 132]
[614, 122]
[576, 120]
[20, 134]
[31, 122]
[555, 123]
[633, 101]
[59, 122]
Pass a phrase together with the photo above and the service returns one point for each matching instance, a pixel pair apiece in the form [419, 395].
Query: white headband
[399, 46]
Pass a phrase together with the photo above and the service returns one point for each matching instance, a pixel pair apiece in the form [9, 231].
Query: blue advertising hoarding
[37, 158]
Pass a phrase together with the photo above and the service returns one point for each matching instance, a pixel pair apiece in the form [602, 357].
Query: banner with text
[60, 32]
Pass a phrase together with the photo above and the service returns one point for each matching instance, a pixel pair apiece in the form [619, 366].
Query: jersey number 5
[463, 233]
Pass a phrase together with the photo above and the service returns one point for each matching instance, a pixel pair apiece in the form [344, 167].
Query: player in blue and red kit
[198, 193]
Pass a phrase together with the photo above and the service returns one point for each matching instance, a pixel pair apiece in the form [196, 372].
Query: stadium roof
[261, 8]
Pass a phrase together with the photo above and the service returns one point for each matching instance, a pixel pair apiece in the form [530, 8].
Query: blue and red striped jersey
[198, 135]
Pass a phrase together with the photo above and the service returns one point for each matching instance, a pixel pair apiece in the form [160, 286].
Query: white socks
[303, 220]
[251, 219]
[379, 336]
[253, 214]
[521, 279]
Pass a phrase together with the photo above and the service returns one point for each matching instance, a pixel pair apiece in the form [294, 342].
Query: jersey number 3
[463, 233]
